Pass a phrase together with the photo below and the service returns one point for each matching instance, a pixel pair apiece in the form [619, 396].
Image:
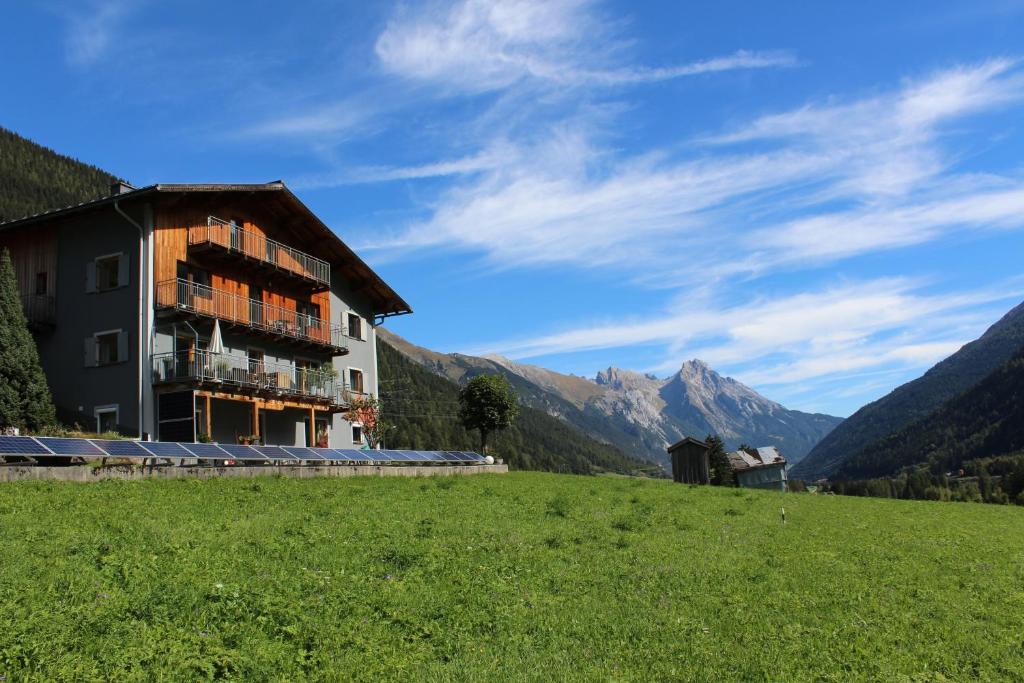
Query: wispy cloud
[564, 199]
[850, 330]
[91, 29]
[482, 45]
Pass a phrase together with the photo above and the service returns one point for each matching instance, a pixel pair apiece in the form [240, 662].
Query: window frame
[114, 408]
[362, 380]
[117, 344]
[117, 270]
[348, 325]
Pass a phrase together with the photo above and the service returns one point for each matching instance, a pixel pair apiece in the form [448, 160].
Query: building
[182, 312]
[690, 462]
[762, 468]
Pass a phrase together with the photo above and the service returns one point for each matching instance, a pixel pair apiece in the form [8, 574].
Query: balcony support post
[312, 427]
[209, 418]
[256, 419]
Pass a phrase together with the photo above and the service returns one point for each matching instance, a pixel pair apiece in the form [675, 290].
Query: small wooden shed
[690, 461]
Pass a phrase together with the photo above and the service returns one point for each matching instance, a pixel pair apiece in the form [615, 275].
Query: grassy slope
[525, 576]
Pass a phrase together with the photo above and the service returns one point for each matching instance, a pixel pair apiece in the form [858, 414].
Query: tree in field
[24, 394]
[721, 472]
[487, 404]
[366, 411]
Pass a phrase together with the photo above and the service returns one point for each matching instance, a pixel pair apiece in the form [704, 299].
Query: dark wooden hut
[690, 463]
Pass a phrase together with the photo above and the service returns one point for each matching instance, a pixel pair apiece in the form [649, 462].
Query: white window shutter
[122, 270]
[362, 328]
[90, 352]
[122, 346]
[90, 277]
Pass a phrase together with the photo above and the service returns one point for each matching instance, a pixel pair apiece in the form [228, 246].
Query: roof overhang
[294, 216]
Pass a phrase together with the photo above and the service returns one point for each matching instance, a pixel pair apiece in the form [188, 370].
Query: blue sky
[819, 199]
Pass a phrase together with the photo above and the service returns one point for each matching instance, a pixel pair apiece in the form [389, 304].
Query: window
[40, 284]
[355, 380]
[106, 418]
[107, 348]
[355, 326]
[357, 433]
[108, 272]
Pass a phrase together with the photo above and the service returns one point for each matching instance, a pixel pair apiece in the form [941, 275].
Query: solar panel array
[48, 446]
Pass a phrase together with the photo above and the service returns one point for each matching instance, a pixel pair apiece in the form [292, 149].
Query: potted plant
[222, 368]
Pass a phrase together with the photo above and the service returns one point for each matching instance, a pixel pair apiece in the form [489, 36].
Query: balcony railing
[282, 380]
[40, 309]
[235, 239]
[213, 303]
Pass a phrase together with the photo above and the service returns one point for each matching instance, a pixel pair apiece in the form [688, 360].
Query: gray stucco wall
[80, 314]
[361, 354]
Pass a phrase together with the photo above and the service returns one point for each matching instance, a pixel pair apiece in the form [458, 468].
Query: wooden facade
[690, 461]
[34, 256]
[232, 273]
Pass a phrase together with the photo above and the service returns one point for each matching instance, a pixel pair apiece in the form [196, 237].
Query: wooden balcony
[227, 238]
[282, 324]
[239, 375]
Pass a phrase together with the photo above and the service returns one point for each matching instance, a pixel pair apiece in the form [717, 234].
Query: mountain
[641, 414]
[917, 399]
[983, 422]
[422, 406]
[34, 178]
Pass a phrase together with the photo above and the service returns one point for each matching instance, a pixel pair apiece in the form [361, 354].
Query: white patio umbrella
[216, 342]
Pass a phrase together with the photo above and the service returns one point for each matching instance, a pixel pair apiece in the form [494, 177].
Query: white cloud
[846, 332]
[91, 29]
[482, 45]
[564, 199]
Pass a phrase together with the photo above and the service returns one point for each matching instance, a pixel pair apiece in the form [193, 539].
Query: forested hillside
[984, 421]
[34, 178]
[423, 407]
[917, 399]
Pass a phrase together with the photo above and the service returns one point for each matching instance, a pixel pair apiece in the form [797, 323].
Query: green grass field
[525, 576]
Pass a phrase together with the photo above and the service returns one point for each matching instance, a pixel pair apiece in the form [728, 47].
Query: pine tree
[721, 471]
[24, 394]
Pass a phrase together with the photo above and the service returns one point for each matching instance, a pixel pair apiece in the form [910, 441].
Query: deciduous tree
[487, 404]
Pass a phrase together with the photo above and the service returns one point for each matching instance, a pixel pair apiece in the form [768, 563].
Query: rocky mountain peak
[618, 379]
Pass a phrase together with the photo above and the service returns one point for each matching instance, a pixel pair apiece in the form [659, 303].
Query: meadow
[525, 576]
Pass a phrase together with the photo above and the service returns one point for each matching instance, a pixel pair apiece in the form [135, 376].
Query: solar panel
[414, 456]
[64, 446]
[364, 456]
[452, 456]
[326, 453]
[433, 456]
[165, 449]
[374, 456]
[121, 449]
[303, 453]
[349, 455]
[206, 450]
[21, 445]
[242, 452]
[393, 456]
[473, 457]
[274, 453]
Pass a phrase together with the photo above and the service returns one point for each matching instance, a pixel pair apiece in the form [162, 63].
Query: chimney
[119, 187]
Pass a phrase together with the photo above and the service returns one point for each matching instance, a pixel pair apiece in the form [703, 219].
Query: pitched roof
[752, 458]
[685, 440]
[278, 198]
